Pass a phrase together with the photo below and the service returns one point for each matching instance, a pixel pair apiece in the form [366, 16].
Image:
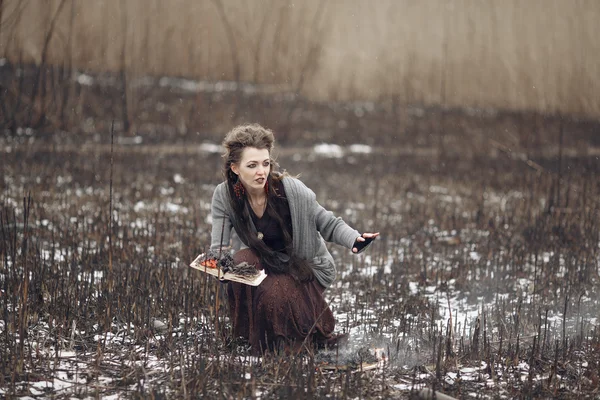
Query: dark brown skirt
[280, 313]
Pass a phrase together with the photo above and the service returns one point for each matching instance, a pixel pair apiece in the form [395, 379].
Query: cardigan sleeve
[334, 229]
[308, 214]
[221, 224]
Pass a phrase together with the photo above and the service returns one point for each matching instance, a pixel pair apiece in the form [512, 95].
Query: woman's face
[254, 168]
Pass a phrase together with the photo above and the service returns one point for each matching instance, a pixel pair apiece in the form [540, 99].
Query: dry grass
[488, 216]
[514, 54]
[74, 326]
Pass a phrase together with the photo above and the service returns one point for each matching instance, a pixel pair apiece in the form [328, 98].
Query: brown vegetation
[537, 55]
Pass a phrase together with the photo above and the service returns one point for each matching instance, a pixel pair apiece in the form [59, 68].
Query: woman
[276, 224]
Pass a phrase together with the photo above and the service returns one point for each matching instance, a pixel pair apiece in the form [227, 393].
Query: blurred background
[534, 56]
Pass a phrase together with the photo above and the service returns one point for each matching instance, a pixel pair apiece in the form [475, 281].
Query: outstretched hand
[363, 241]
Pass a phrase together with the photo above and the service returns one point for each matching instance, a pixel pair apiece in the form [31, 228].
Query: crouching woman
[282, 229]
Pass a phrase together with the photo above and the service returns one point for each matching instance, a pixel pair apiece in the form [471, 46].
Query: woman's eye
[266, 164]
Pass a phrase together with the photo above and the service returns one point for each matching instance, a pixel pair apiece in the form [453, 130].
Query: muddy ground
[484, 282]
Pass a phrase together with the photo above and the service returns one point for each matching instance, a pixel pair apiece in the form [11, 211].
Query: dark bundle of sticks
[244, 269]
[226, 263]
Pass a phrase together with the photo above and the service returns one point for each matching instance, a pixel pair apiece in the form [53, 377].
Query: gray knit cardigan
[311, 224]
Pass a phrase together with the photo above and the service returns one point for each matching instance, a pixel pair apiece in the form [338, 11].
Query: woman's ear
[235, 169]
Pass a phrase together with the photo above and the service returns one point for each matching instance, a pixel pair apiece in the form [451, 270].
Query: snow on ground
[73, 369]
[211, 148]
[328, 150]
[360, 148]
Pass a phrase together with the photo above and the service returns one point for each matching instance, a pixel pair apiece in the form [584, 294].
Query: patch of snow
[175, 208]
[139, 206]
[211, 148]
[523, 366]
[438, 189]
[130, 140]
[35, 392]
[167, 191]
[328, 150]
[85, 80]
[413, 287]
[224, 86]
[183, 84]
[525, 284]
[42, 384]
[47, 255]
[387, 268]
[450, 378]
[368, 270]
[360, 148]
[189, 85]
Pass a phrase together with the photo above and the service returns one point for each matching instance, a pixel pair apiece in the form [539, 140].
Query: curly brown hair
[240, 137]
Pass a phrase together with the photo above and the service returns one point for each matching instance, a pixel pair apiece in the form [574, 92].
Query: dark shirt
[268, 226]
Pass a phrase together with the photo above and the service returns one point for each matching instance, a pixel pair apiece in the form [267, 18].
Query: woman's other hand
[363, 241]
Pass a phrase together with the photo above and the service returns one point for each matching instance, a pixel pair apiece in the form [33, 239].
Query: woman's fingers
[369, 235]
[362, 237]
